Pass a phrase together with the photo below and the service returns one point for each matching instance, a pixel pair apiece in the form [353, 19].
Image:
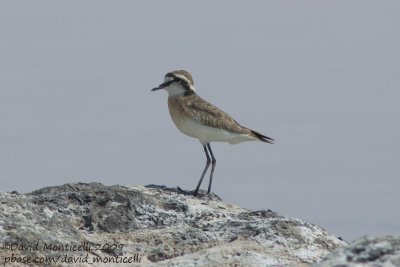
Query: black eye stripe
[165, 84]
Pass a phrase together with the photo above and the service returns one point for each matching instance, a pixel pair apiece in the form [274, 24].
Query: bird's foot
[188, 193]
[180, 190]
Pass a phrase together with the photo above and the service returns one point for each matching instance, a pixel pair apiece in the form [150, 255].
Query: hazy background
[321, 77]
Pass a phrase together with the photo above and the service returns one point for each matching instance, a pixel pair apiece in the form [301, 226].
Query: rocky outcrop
[82, 224]
[368, 252]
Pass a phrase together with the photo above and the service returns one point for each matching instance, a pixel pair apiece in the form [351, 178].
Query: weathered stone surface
[156, 224]
[368, 252]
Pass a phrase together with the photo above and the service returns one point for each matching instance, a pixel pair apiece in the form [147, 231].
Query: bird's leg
[196, 191]
[213, 162]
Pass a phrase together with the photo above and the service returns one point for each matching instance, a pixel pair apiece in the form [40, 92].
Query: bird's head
[177, 82]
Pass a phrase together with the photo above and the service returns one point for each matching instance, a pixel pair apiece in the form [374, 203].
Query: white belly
[207, 134]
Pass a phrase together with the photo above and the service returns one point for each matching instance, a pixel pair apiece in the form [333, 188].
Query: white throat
[175, 90]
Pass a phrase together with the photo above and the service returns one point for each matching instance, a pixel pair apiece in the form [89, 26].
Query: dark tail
[262, 137]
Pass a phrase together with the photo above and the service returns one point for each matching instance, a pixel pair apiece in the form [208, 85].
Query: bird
[199, 119]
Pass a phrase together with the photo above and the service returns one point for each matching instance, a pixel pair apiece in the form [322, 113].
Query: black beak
[157, 88]
[161, 86]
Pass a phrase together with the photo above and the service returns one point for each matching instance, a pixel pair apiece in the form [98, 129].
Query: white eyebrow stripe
[183, 78]
[168, 78]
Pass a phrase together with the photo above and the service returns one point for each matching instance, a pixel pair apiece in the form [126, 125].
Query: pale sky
[322, 78]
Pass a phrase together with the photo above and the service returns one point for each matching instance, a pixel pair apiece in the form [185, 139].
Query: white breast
[205, 133]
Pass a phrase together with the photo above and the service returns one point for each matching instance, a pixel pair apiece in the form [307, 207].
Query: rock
[368, 252]
[82, 224]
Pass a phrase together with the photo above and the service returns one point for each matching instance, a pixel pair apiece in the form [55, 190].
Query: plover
[199, 119]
